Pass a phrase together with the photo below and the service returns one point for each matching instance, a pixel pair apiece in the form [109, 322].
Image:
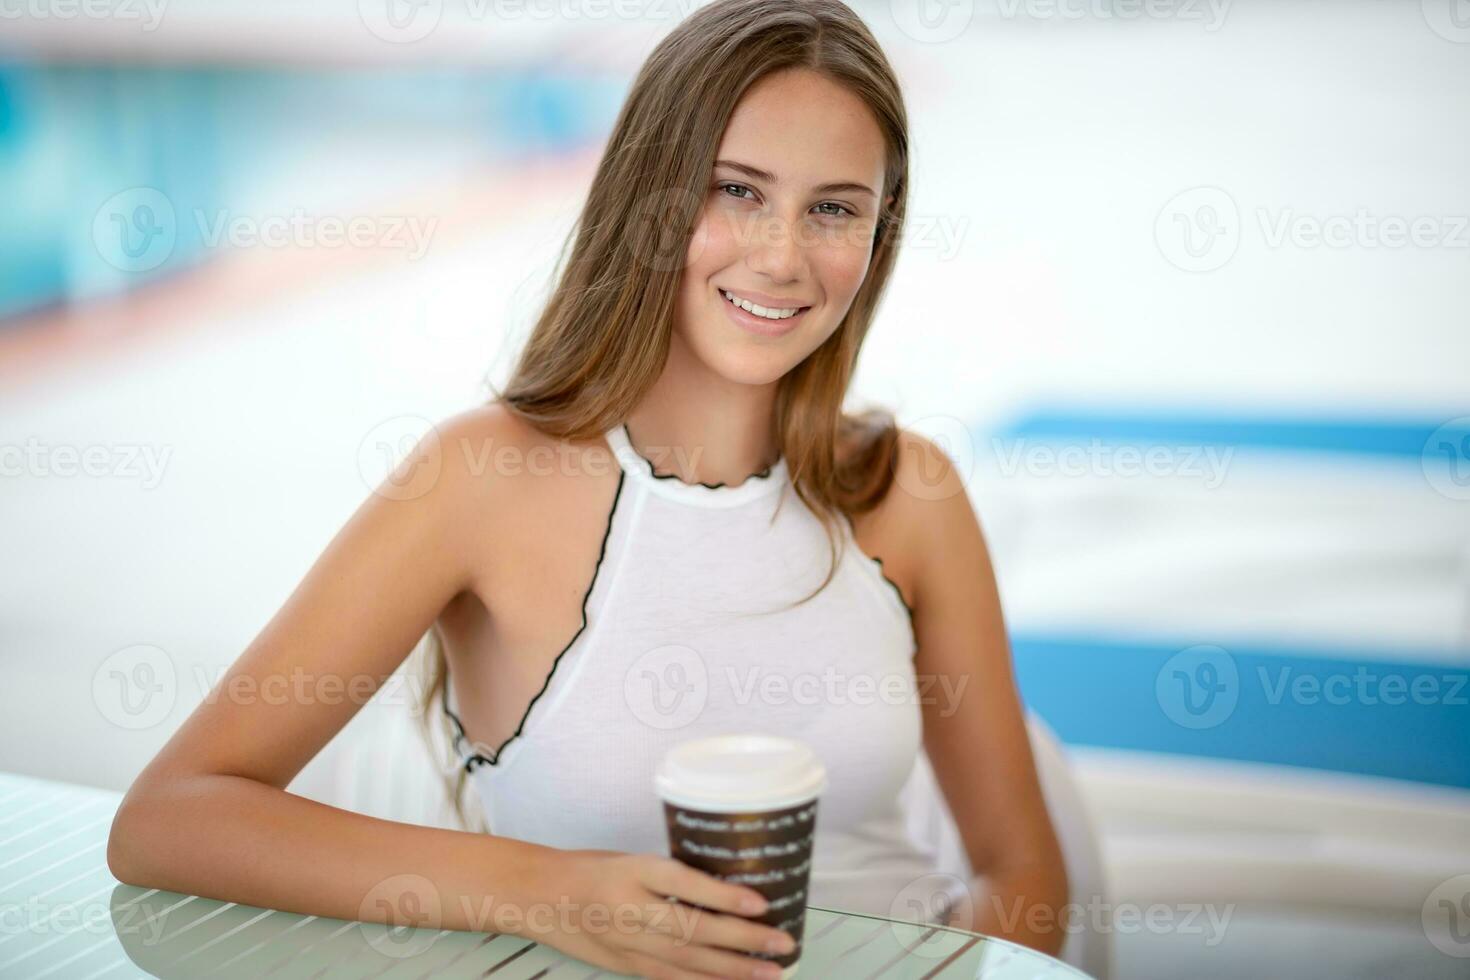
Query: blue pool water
[106, 169]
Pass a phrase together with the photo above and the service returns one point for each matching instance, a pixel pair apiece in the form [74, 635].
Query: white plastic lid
[740, 772]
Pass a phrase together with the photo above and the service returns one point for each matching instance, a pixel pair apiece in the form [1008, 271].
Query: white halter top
[684, 635]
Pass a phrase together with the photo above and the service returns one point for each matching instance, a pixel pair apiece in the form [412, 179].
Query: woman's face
[774, 232]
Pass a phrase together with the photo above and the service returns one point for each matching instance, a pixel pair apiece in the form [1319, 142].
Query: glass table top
[63, 915]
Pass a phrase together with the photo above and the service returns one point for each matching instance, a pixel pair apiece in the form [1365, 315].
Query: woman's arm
[975, 734]
[210, 814]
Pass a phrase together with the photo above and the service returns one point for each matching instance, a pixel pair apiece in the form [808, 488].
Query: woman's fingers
[711, 928]
[668, 876]
[734, 932]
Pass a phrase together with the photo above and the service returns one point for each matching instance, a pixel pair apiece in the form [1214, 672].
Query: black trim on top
[477, 758]
[879, 562]
[459, 736]
[763, 474]
[896, 590]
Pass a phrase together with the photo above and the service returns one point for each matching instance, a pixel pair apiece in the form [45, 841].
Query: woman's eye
[841, 210]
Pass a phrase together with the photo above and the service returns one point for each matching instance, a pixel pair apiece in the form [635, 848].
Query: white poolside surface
[1054, 144]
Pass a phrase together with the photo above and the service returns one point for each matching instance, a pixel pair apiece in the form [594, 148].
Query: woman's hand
[618, 915]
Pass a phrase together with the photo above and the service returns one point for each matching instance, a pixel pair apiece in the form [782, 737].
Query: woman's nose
[777, 248]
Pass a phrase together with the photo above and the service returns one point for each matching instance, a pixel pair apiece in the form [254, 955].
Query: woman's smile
[772, 321]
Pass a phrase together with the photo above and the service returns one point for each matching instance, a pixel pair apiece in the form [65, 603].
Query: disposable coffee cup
[743, 808]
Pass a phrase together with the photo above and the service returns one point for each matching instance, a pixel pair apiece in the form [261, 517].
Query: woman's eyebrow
[756, 173]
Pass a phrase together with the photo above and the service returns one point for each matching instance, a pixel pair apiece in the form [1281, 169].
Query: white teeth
[759, 310]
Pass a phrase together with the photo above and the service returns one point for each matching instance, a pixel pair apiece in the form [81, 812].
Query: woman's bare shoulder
[519, 482]
[926, 505]
[501, 453]
[928, 499]
[524, 493]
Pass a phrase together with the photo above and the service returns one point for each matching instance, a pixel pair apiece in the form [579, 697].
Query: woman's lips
[758, 324]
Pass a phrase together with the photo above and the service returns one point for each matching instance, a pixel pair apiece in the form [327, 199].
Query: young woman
[675, 512]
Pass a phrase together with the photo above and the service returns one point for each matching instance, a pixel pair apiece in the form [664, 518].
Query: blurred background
[1184, 292]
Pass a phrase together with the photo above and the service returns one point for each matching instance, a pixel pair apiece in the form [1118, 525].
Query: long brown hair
[602, 338]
